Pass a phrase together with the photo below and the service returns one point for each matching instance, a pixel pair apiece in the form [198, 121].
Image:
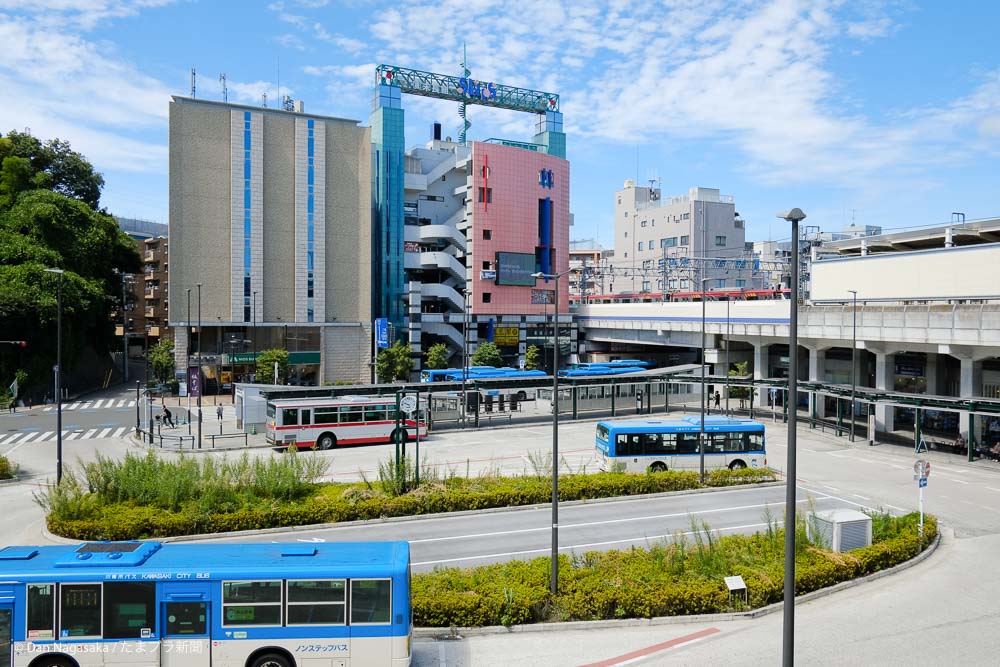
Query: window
[350, 414]
[486, 193]
[80, 610]
[720, 240]
[129, 609]
[325, 415]
[684, 240]
[645, 286]
[626, 214]
[685, 216]
[289, 416]
[371, 601]
[374, 413]
[672, 283]
[642, 224]
[320, 602]
[187, 618]
[41, 611]
[720, 282]
[668, 243]
[685, 284]
[251, 603]
[647, 264]
[626, 253]
[626, 234]
[487, 234]
[741, 283]
[641, 245]
[306, 416]
[487, 297]
[687, 443]
[486, 265]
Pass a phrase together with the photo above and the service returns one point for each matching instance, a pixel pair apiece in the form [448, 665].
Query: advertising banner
[515, 268]
[194, 381]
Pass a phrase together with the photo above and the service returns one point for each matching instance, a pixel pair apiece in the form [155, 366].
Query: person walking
[218, 412]
[168, 417]
[718, 398]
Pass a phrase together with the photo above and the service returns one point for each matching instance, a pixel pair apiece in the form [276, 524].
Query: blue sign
[381, 332]
[923, 482]
[477, 89]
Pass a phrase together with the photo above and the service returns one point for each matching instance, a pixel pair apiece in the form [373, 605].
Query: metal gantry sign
[467, 90]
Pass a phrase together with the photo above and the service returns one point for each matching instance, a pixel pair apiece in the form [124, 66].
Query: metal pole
[788, 644]
[124, 334]
[465, 351]
[137, 407]
[701, 275]
[200, 392]
[253, 327]
[187, 363]
[555, 443]
[854, 355]
[727, 355]
[59, 447]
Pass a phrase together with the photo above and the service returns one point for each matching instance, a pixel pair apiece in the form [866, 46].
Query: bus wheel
[326, 441]
[658, 467]
[406, 436]
[52, 661]
[521, 396]
[737, 465]
[271, 660]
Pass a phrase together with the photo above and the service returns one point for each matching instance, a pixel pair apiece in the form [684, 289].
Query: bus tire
[521, 396]
[270, 660]
[738, 464]
[54, 661]
[406, 435]
[326, 441]
[658, 466]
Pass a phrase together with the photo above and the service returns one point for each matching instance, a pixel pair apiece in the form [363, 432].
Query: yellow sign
[505, 335]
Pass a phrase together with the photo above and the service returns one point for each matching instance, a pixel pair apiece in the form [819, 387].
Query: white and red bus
[324, 423]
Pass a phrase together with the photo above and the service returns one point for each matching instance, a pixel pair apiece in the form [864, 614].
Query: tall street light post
[465, 353]
[124, 331]
[854, 354]
[554, 578]
[794, 216]
[704, 282]
[728, 333]
[253, 326]
[198, 369]
[58, 373]
[187, 361]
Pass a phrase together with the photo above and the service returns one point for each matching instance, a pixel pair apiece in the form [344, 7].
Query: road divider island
[141, 497]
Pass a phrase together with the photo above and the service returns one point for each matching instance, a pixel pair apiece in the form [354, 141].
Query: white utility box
[840, 530]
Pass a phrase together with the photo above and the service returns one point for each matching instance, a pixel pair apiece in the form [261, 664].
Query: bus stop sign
[408, 403]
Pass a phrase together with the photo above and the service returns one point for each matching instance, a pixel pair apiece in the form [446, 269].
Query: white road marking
[121, 404]
[900, 509]
[11, 438]
[860, 496]
[88, 434]
[28, 437]
[952, 479]
[73, 435]
[87, 405]
[106, 432]
[991, 488]
[46, 436]
[122, 431]
[71, 406]
[131, 404]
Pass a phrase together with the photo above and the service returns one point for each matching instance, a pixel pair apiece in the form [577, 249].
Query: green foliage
[394, 363]
[265, 366]
[741, 369]
[487, 354]
[437, 357]
[532, 358]
[680, 576]
[8, 470]
[54, 165]
[394, 495]
[15, 177]
[161, 358]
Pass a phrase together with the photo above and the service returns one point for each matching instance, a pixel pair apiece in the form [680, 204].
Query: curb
[454, 633]
[489, 510]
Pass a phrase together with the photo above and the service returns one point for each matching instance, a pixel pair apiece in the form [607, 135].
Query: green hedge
[8, 470]
[90, 516]
[679, 578]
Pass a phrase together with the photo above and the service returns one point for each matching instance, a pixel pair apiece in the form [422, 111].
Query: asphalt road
[475, 538]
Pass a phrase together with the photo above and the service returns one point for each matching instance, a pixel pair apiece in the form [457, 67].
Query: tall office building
[270, 212]
[650, 228]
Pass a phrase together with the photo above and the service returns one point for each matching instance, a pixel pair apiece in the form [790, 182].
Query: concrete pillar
[931, 375]
[885, 375]
[180, 347]
[970, 386]
[760, 360]
[817, 373]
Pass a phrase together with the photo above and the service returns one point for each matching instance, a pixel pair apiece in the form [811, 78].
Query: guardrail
[213, 438]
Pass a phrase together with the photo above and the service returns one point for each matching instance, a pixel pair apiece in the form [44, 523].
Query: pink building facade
[519, 224]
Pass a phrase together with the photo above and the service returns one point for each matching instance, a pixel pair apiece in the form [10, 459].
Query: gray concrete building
[650, 227]
[270, 213]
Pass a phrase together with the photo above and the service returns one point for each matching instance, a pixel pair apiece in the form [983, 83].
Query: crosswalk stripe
[121, 404]
[88, 405]
[121, 432]
[131, 404]
[105, 432]
[88, 434]
[65, 434]
[71, 406]
[98, 402]
[11, 439]
[48, 409]
[45, 436]
[30, 436]
[73, 435]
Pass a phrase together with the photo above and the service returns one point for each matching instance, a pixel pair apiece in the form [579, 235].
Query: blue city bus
[638, 445]
[201, 605]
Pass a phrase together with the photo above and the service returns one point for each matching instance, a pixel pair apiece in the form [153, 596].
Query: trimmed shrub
[8, 470]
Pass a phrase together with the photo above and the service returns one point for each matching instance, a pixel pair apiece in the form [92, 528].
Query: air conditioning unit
[840, 530]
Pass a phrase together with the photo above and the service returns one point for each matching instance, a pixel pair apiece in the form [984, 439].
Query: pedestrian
[168, 417]
[218, 412]
[718, 397]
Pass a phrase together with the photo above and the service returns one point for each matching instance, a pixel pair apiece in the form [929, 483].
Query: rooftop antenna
[461, 105]
[277, 60]
[192, 84]
[263, 100]
[225, 92]
[287, 103]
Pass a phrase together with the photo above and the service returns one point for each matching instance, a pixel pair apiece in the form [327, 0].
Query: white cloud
[82, 13]
[252, 92]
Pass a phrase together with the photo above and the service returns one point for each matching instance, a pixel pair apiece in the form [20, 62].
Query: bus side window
[621, 445]
[325, 415]
[371, 601]
[80, 610]
[289, 416]
[651, 444]
[756, 442]
[41, 611]
[128, 609]
[306, 416]
[687, 443]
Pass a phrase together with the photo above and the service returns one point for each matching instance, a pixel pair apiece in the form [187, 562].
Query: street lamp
[253, 325]
[187, 361]
[58, 372]
[794, 216]
[200, 388]
[854, 355]
[553, 584]
[124, 327]
[728, 334]
[465, 353]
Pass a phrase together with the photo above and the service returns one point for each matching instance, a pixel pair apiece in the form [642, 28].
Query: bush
[8, 470]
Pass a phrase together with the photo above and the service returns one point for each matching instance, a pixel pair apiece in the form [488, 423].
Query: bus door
[185, 612]
[6, 623]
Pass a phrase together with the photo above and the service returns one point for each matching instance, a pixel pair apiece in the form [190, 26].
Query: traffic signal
[17, 343]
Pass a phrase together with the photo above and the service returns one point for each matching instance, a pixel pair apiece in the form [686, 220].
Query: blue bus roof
[688, 424]
[153, 561]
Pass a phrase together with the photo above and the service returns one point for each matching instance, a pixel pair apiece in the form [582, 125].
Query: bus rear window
[289, 416]
[602, 432]
[270, 410]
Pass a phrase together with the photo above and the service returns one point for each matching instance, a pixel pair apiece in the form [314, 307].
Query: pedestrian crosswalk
[32, 437]
[100, 403]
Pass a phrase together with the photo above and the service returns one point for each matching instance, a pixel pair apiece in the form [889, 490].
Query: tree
[385, 363]
[487, 354]
[532, 358]
[437, 357]
[55, 166]
[403, 367]
[265, 366]
[15, 177]
[161, 358]
[741, 369]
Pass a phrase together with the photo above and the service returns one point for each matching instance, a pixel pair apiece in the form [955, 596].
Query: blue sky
[887, 113]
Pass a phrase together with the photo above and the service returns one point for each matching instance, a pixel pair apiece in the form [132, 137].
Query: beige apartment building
[270, 214]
